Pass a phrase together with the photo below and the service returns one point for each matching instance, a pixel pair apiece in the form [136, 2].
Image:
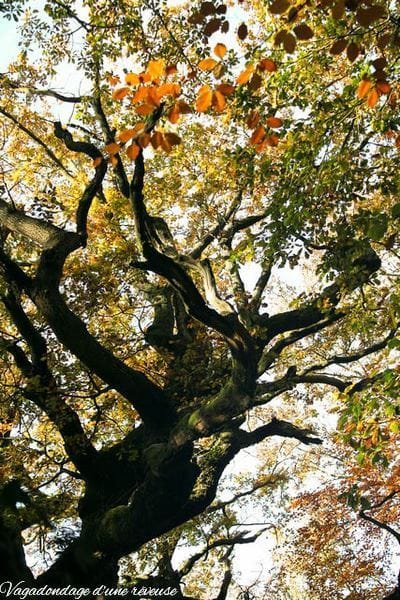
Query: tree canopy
[165, 168]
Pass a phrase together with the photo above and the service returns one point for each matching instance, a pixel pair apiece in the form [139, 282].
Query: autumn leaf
[140, 95]
[126, 135]
[383, 87]
[368, 15]
[245, 75]
[132, 79]
[172, 138]
[303, 31]
[132, 151]
[373, 98]
[156, 139]
[242, 31]
[218, 101]
[184, 108]
[257, 135]
[97, 161]
[226, 89]
[174, 114]
[338, 47]
[274, 122]
[220, 50]
[253, 119]
[120, 93]
[204, 98]
[155, 69]
[278, 7]
[207, 64]
[144, 109]
[112, 148]
[364, 87]
[266, 64]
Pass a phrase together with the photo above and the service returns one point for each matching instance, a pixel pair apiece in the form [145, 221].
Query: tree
[132, 349]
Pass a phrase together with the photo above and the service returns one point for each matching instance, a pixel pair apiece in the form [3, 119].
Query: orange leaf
[166, 89]
[112, 148]
[132, 79]
[266, 64]
[274, 122]
[155, 69]
[218, 101]
[174, 114]
[140, 95]
[373, 98]
[176, 89]
[245, 75]
[97, 161]
[120, 93]
[144, 77]
[132, 151]
[113, 80]
[171, 70]
[126, 135]
[113, 160]
[364, 87]
[220, 50]
[257, 136]
[207, 64]
[143, 140]
[272, 140]
[144, 109]
[153, 96]
[253, 119]
[204, 98]
[226, 89]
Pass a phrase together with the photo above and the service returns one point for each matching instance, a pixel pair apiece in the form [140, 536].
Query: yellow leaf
[218, 101]
[155, 69]
[120, 93]
[112, 148]
[145, 109]
[132, 79]
[207, 64]
[204, 98]
[245, 75]
[132, 151]
[220, 50]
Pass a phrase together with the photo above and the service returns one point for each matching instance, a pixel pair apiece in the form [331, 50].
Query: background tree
[204, 136]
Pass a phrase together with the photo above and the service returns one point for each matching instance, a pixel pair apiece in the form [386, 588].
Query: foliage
[137, 361]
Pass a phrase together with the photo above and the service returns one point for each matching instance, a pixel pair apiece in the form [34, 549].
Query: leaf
[212, 27]
[272, 140]
[338, 47]
[145, 109]
[338, 10]
[174, 114]
[133, 151]
[120, 93]
[266, 64]
[364, 87]
[207, 64]
[303, 32]
[172, 138]
[220, 50]
[143, 140]
[204, 98]
[373, 98]
[242, 31]
[113, 160]
[156, 139]
[97, 161]
[257, 135]
[370, 14]
[245, 75]
[140, 95]
[226, 89]
[207, 8]
[274, 122]
[255, 82]
[155, 69]
[278, 7]
[132, 79]
[218, 101]
[126, 135]
[253, 119]
[289, 43]
[112, 148]
[352, 51]
[383, 87]
[184, 108]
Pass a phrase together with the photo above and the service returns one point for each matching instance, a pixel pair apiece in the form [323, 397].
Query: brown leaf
[132, 151]
[255, 82]
[257, 135]
[218, 101]
[266, 64]
[274, 122]
[383, 87]
[352, 51]
[207, 8]
[253, 119]
[226, 89]
[338, 9]
[172, 138]
[289, 43]
[278, 7]
[212, 27]
[156, 139]
[338, 47]
[303, 32]
[370, 14]
[242, 31]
